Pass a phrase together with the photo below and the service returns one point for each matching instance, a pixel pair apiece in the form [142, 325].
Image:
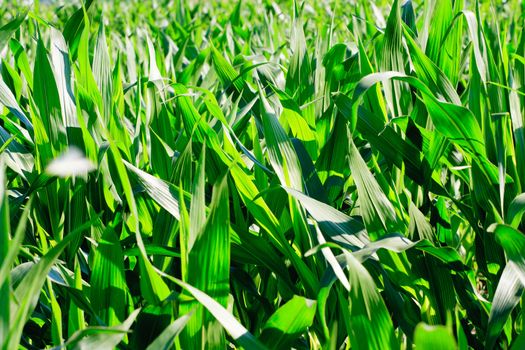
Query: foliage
[317, 175]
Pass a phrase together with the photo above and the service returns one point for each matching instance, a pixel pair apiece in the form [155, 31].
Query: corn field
[262, 174]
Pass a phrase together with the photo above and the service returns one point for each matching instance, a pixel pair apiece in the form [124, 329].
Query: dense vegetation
[317, 175]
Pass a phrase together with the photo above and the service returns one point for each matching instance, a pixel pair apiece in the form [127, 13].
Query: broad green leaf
[8, 29]
[392, 58]
[280, 149]
[370, 325]
[102, 73]
[340, 227]
[225, 71]
[433, 337]
[507, 296]
[208, 267]
[165, 194]
[288, 322]
[516, 210]
[28, 291]
[22, 61]
[63, 77]
[238, 332]
[455, 122]
[165, 340]
[75, 26]
[377, 211]
[8, 99]
[47, 99]
[332, 260]
[109, 292]
[152, 286]
[101, 337]
[511, 284]
[267, 220]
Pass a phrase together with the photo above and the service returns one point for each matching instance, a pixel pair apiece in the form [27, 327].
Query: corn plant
[177, 174]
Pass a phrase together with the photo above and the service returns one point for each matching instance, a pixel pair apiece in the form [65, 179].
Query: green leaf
[101, 337]
[208, 267]
[109, 292]
[455, 122]
[392, 59]
[288, 322]
[102, 73]
[8, 99]
[516, 210]
[75, 26]
[165, 340]
[238, 332]
[63, 75]
[512, 282]
[28, 291]
[226, 73]
[165, 194]
[8, 29]
[377, 211]
[340, 227]
[280, 149]
[152, 286]
[47, 100]
[507, 296]
[370, 325]
[433, 337]
[383, 138]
